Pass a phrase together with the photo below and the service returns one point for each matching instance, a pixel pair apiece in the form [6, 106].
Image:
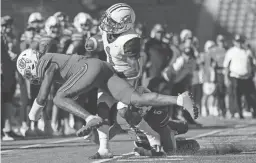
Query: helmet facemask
[34, 79]
[112, 27]
[55, 30]
[27, 65]
[86, 26]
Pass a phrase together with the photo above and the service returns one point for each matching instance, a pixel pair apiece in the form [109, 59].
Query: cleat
[86, 130]
[144, 152]
[144, 145]
[98, 156]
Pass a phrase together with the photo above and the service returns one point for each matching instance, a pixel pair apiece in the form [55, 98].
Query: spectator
[8, 83]
[175, 43]
[209, 83]
[158, 53]
[217, 54]
[239, 69]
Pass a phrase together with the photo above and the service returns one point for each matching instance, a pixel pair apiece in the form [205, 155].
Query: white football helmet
[52, 26]
[185, 33]
[117, 19]
[157, 29]
[27, 65]
[208, 45]
[36, 16]
[82, 22]
[36, 20]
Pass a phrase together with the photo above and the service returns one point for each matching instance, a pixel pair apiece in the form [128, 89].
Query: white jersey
[115, 50]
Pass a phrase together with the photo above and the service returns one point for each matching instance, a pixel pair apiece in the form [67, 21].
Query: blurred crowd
[221, 77]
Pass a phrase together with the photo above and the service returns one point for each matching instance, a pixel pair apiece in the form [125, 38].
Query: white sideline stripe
[205, 134]
[150, 160]
[253, 152]
[6, 151]
[38, 145]
[217, 131]
[114, 158]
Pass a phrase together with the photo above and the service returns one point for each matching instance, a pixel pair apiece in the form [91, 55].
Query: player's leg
[124, 92]
[104, 104]
[140, 127]
[87, 77]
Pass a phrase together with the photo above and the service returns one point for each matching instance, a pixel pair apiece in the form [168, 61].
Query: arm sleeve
[132, 48]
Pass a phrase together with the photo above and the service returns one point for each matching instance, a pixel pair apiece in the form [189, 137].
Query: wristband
[35, 111]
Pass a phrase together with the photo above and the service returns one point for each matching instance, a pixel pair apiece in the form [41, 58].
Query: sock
[103, 139]
[153, 136]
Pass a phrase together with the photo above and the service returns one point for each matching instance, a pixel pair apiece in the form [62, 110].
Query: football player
[66, 31]
[122, 47]
[35, 20]
[82, 24]
[79, 75]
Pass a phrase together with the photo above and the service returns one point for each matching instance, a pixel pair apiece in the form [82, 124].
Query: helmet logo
[127, 19]
[22, 63]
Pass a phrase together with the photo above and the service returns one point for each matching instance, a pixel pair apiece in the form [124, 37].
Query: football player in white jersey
[122, 47]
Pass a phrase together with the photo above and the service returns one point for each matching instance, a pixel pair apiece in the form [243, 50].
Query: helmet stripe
[119, 6]
[113, 6]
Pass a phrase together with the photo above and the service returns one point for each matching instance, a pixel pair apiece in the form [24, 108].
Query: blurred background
[205, 18]
[203, 31]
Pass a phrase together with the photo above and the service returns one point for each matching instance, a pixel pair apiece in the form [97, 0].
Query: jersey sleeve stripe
[73, 79]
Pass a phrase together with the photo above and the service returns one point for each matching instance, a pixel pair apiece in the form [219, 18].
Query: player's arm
[170, 72]
[76, 39]
[73, 47]
[40, 101]
[226, 64]
[132, 54]
[65, 42]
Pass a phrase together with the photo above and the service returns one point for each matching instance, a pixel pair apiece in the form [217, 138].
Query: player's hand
[36, 111]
